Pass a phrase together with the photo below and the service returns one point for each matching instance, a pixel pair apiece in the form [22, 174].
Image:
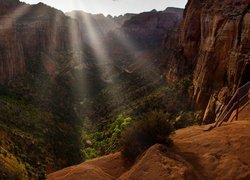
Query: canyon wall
[11, 52]
[27, 31]
[214, 40]
[148, 29]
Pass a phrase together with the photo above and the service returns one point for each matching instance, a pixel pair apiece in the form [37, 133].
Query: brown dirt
[222, 153]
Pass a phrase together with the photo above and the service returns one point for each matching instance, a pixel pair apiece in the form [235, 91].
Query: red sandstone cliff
[214, 39]
[11, 52]
[26, 31]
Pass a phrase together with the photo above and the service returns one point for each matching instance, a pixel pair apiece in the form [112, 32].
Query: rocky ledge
[222, 153]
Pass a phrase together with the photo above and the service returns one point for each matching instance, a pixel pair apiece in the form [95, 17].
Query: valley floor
[222, 153]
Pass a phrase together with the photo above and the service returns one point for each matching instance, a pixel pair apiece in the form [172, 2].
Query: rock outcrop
[214, 40]
[223, 48]
[197, 154]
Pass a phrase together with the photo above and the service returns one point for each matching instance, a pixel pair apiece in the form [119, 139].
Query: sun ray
[78, 62]
[104, 62]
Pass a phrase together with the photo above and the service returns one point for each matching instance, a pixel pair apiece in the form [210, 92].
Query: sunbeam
[95, 41]
[105, 64]
[78, 61]
[141, 59]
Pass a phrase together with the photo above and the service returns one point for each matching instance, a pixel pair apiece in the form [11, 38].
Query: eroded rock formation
[214, 39]
[224, 48]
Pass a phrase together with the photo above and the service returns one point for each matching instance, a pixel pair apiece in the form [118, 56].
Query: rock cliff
[149, 29]
[26, 31]
[11, 52]
[214, 40]
[138, 42]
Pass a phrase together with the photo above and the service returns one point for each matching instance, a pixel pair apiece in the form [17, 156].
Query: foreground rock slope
[222, 153]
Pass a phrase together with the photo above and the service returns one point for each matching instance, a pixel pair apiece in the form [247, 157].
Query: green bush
[104, 141]
[153, 128]
[89, 153]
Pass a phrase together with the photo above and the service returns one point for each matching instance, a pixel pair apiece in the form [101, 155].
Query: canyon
[51, 79]
[70, 81]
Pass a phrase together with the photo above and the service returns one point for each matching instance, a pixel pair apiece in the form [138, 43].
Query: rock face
[214, 39]
[27, 31]
[224, 48]
[148, 29]
[11, 52]
[219, 154]
[143, 36]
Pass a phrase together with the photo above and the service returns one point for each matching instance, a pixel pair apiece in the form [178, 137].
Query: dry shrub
[154, 128]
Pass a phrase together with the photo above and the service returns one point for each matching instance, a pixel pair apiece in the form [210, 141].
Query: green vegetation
[140, 101]
[24, 130]
[104, 142]
[38, 122]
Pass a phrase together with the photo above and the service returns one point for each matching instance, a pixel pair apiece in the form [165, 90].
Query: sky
[112, 7]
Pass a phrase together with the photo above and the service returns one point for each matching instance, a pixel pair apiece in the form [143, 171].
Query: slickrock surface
[222, 153]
